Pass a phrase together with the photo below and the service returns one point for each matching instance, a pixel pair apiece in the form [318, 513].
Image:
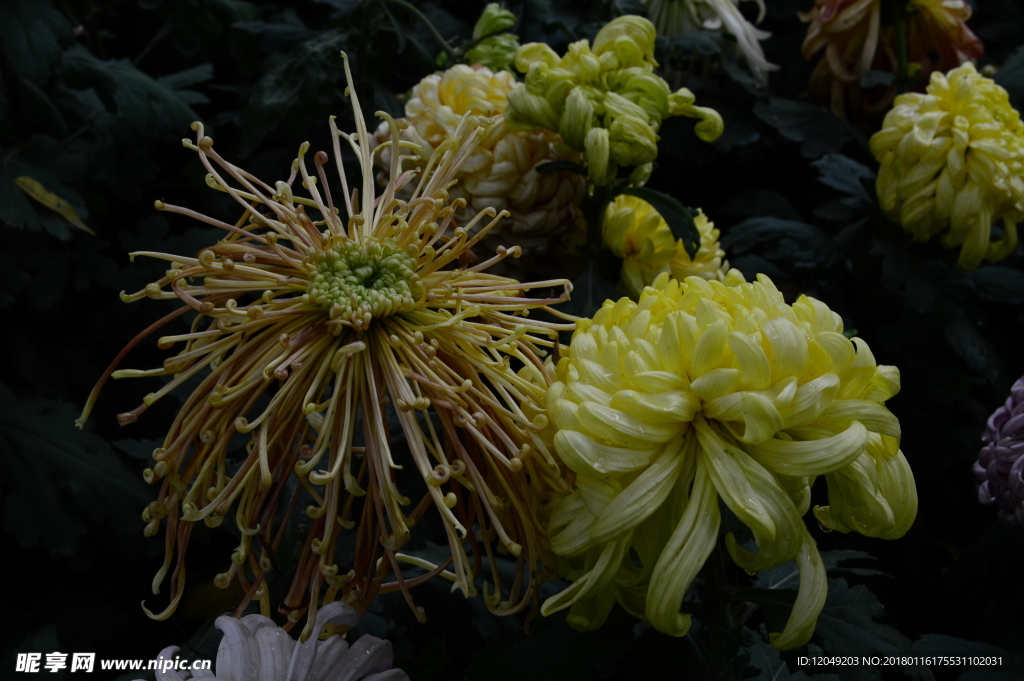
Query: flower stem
[451, 51]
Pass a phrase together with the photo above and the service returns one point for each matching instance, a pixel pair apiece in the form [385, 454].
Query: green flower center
[360, 280]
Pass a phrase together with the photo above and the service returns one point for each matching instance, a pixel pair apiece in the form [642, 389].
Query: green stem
[451, 51]
[593, 208]
[719, 622]
[901, 51]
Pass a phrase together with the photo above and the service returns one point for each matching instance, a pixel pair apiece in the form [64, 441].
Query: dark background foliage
[94, 98]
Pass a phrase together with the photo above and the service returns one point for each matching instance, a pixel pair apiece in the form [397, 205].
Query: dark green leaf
[846, 175]
[31, 32]
[138, 99]
[786, 242]
[679, 217]
[1010, 667]
[56, 477]
[589, 291]
[847, 625]
[769, 661]
[970, 344]
[817, 130]
[999, 284]
[1011, 77]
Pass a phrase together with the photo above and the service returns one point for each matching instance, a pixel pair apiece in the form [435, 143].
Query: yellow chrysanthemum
[501, 173]
[322, 331]
[636, 232]
[607, 101]
[953, 159]
[709, 389]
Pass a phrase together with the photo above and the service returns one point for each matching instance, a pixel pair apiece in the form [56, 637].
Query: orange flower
[854, 41]
[940, 27]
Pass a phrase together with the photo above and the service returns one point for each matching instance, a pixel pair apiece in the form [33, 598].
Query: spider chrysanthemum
[322, 332]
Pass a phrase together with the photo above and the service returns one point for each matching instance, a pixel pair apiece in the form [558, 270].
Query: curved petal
[641, 497]
[689, 546]
[732, 484]
[897, 484]
[593, 459]
[811, 457]
[237, 659]
[274, 647]
[810, 599]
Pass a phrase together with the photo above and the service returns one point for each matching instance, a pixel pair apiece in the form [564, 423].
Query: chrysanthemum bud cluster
[501, 173]
[605, 100]
[716, 389]
[1000, 466]
[637, 233]
[493, 46]
[952, 163]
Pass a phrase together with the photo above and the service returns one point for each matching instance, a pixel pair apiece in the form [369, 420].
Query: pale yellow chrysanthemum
[502, 172]
[636, 232]
[953, 159]
[716, 389]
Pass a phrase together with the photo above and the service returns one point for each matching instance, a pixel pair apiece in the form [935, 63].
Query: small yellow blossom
[637, 233]
[707, 390]
[953, 163]
[501, 173]
[605, 101]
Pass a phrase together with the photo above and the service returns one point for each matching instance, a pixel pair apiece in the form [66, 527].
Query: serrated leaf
[784, 241]
[843, 173]
[140, 100]
[1010, 668]
[847, 625]
[56, 477]
[970, 344]
[679, 217]
[999, 284]
[817, 130]
[31, 32]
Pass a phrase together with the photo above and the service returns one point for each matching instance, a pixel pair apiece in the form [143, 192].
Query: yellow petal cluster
[501, 173]
[953, 163]
[716, 389]
[605, 100]
[636, 232]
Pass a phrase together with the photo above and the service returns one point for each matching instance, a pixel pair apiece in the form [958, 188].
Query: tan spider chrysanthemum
[321, 334]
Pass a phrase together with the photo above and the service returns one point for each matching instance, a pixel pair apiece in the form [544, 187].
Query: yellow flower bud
[705, 391]
[637, 233]
[577, 119]
[493, 49]
[952, 163]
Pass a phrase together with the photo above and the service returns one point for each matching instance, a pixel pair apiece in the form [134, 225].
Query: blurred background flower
[1000, 466]
[674, 18]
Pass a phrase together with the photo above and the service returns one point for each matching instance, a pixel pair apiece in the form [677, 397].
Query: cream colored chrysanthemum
[502, 172]
[953, 161]
[706, 390]
[636, 232]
